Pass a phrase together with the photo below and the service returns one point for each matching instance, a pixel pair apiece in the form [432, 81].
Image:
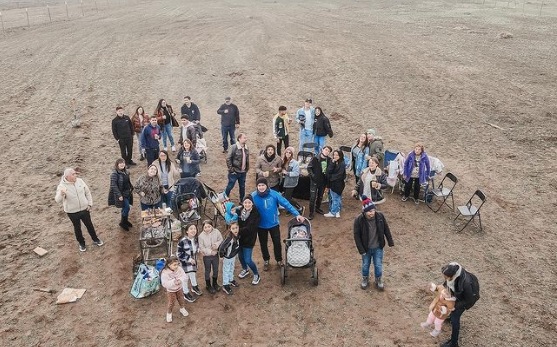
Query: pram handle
[296, 240]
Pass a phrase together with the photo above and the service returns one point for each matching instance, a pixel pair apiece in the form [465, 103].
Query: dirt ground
[433, 71]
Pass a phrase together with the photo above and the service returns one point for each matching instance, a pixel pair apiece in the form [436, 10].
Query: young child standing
[172, 277]
[187, 254]
[439, 309]
[209, 242]
[228, 250]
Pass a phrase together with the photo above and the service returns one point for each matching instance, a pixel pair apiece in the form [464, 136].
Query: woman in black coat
[248, 220]
[120, 194]
[336, 175]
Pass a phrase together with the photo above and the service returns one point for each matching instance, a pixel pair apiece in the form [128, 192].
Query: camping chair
[442, 191]
[471, 211]
[347, 151]
[393, 163]
[309, 147]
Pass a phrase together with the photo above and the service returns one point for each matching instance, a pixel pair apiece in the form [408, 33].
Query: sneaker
[226, 288]
[311, 216]
[425, 325]
[256, 279]
[142, 158]
[280, 263]
[184, 312]
[233, 283]
[337, 215]
[196, 290]
[266, 265]
[417, 202]
[132, 163]
[173, 148]
[329, 215]
[404, 198]
[435, 332]
[169, 317]
[244, 273]
[188, 297]
[379, 283]
[365, 283]
[82, 248]
[98, 242]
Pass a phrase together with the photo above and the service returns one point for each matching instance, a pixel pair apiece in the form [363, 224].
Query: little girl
[209, 242]
[172, 277]
[439, 309]
[228, 250]
[187, 254]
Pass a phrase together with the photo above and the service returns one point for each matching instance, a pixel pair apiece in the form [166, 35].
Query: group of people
[277, 172]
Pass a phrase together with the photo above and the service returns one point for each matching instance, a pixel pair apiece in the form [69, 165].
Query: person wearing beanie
[370, 231]
[464, 286]
[267, 202]
[375, 145]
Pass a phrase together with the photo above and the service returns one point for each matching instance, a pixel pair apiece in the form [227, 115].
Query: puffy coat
[120, 186]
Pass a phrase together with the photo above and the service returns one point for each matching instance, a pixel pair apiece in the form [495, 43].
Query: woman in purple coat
[416, 171]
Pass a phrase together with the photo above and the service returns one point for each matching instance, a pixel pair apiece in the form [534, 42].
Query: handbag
[175, 123]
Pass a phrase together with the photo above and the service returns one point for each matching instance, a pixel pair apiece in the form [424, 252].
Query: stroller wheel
[283, 275]
[315, 275]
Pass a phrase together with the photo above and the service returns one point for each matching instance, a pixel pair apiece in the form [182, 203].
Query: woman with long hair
[336, 175]
[290, 174]
[168, 174]
[149, 188]
[164, 113]
[360, 154]
[139, 121]
[120, 193]
[188, 159]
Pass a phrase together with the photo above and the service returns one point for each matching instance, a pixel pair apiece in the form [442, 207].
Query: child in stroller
[299, 249]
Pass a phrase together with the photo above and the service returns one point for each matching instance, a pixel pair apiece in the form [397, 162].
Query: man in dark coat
[122, 130]
[370, 231]
[317, 170]
[229, 121]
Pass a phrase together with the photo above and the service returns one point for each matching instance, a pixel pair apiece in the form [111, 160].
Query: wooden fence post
[67, 13]
[27, 14]
[49, 16]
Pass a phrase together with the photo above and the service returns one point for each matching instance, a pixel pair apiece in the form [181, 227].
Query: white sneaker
[184, 312]
[256, 280]
[337, 215]
[169, 317]
[173, 148]
[435, 333]
[329, 215]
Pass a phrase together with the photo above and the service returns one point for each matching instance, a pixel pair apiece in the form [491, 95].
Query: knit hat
[291, 149]
[450, 270]
[367, 204]
[262, 180]
[371, 131]
[247, 197]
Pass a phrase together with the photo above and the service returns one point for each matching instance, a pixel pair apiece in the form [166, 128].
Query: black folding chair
[444, 191]
[470, 210]
[347, 151]
[309, 147]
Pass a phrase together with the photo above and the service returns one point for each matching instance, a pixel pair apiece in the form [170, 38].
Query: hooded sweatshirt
[78, 196]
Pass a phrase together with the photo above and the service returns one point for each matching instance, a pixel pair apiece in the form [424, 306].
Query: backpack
[475, 288]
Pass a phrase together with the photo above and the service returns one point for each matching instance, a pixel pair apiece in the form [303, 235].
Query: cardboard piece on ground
[40, 251]
[70, 295]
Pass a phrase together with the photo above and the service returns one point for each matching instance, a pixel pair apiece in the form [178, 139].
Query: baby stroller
[188, 199]
[299, 250]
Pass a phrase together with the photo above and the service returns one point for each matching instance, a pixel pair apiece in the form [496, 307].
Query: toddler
[172, 277]
[439, 309]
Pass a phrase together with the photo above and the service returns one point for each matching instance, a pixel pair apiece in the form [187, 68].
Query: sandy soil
[433, 71]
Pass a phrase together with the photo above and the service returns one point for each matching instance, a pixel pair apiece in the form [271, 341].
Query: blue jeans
[320, 140]
[226, 131]
[306, 136]
[245, 259]
[147, 207]
[125, 207]
[168, 198]
[232, 178]
[228, 270]
[377, 255]
[335, 202]
[167, 134]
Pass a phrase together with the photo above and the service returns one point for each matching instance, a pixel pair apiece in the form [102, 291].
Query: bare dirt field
[435, 71]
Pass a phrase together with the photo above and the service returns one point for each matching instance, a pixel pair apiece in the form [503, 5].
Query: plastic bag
[147, 282]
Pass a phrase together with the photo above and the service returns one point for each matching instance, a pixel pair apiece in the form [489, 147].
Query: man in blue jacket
[150, 140]
[267, 202]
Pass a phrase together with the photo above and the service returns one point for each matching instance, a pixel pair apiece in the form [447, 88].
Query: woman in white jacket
[76, 198]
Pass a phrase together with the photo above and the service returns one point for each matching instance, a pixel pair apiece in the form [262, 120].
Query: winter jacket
[190, 134]
[120, 186]
[168, 278]
[78, 196]
[231, 118]
[424, 168]
[322, 126]
[138, 125]
[230, 247]
[316, 172]
[380, 177]
[169, 113]
[191, 168]
[440, 301]
[336, 174]
[192, 112]
[122, 128]
[151, 186]
[147, 137]
[267, 166]
[248, 227]
[361, 232]
[185, 252]
[292, 174]
[464, 291]
[267, 204]
[280, 126]
[234, 158]
[305, 124]
[376, 149]
[209, 242]
[173, 173]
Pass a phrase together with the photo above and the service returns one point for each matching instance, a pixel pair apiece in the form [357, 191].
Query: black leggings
[408, 186]
[264, 238]
[288, 196]
[76, 219]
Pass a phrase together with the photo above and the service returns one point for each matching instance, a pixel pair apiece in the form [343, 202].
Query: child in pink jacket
[172, 277]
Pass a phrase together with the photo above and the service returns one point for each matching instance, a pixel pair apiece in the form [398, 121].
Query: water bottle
[164, 206]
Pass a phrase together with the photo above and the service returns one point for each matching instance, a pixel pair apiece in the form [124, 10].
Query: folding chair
[309, 147]
[347, 151]
[393, 166]
[444, 192]
[470, 210]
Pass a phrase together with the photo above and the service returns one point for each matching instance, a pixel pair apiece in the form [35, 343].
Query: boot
[127, 222]
[365, 282]
[379, 283]
[210, 287]
[123, 224]
[216, 286]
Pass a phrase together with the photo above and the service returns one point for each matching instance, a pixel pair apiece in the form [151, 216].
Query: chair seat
[441, 192]
[465, 211]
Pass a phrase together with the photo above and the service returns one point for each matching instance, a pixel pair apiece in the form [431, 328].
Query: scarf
[271, 158]
[368, 177]
[451, 283]
[245, 214]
